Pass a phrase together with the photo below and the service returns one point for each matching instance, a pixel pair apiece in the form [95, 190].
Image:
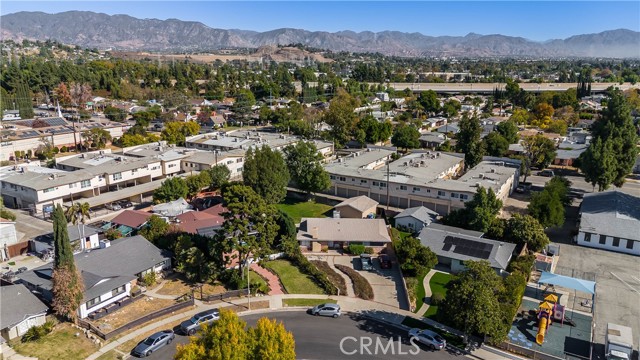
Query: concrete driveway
[386, 283]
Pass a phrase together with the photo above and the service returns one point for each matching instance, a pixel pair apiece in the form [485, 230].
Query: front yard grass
[438, 285]
[420, 292]
[133, 311]
[307, 302]
[176, 285]
[294, 281]
[61, 343]
[300, 209]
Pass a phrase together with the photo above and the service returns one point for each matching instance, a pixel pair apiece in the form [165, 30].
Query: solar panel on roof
[467, 247]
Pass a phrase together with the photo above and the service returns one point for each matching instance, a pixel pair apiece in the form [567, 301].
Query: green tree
[195, 183]
[250, 224]
[526, 229]
[478, 213]
[67, 284]
[539, 151]
[613, 151]
[304, 164]
[98, 138]
[468, 141]
[509, 130]
[176, 132]
[547, 206]
[472, 303]
[341, 117]
[155, 229]
[520, 117]
[6, 214]
[429, 101]
[265, 172]
[219, 175]
[406, 136]
[77, 214]
[171, 189]
[415, 259]
[114, 114]
[191, 261]
[495, 144]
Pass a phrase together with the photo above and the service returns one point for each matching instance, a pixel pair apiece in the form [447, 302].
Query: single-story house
[199, 222]
[90, 235]
[358, 207]
[20, 311]
[454, 246]
[130, 220]
[610, 220]
[108, 272]
[172, 208]
[336, 233]
[9, 245]
[449, 128]
[434, 122]
[568, 153]
[415, 218]
[432, 140]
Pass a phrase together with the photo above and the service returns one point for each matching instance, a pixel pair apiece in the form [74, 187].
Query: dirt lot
[133, 311]
[176, 285]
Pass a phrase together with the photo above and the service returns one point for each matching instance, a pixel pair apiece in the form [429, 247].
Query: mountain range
[123, 32]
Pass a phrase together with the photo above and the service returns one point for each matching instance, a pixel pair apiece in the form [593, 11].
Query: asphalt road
[631, 186]
[320, 337]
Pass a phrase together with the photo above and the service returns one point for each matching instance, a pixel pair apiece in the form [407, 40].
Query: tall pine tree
[469, 141]
[67, 284]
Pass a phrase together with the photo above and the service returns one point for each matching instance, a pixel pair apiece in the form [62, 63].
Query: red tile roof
[132, 218]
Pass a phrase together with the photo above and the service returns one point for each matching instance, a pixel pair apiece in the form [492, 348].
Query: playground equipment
[548, 311]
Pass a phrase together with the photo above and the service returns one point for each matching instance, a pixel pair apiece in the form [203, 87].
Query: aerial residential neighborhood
[174, 190]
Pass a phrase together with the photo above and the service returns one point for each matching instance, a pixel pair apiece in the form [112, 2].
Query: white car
[429, 338]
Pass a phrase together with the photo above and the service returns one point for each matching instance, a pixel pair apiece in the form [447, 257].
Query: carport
[125, 193]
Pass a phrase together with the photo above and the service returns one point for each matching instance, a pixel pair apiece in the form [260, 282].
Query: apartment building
[423, 178]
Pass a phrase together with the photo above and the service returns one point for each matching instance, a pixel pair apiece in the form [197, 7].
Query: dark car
[192, 325]
[125, 204]
[385, 261]
[153, 343]
[367, 263]
[546, 173]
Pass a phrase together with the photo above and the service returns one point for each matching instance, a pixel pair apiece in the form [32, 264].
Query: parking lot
[386, 283]
[617, 279]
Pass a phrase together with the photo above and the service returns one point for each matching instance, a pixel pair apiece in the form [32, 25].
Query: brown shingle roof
[132, 218]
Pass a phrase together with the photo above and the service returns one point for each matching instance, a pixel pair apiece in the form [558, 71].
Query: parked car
[153, 343]
[125, 204]
[428, 338]
[192, 325]
[385, 261]
[328, 309]
[546, 173]
[367, 263]
[113, 206]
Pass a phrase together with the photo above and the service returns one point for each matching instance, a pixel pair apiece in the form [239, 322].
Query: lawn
[300, 209]
[61, 343]
[307, 302]
[177, 285]
[438, 285]
[139, 308]
[420, 292]
[257, 282]
[294, 281]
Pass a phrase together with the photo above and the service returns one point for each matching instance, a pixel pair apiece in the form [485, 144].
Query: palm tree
[78, 214]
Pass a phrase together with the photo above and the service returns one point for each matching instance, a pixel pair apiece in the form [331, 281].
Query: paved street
[319, 338]
[631, 186]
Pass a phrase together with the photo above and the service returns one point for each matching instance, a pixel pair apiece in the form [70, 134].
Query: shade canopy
[551, 298]
[585, 286]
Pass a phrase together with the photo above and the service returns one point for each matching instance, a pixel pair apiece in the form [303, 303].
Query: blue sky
[535, 20]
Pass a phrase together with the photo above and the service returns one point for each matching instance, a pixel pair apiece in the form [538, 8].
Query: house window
[342, 178]
[375, 183]
[441, 193]
[603, 239]
[464, 197]
[85, 183]
[403, 187]
[616, 241]
[117, 176]
[171, 165]
[629, 244]
[100, 178]
[587, 237]
[383, 184]
[119, 290]
[362, 181]
[428, 191]
[48, 190]
[71, 186]
[93, 301]
[134, 171]
[416, 188]
[332, 177]
[454, 195]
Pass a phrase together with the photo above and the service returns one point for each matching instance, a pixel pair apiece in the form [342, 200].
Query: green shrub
[37, 332]
[149, 279]
[308, 268]
[64, 149]
[336, 279]
[437, 299]
[361, 286]
[368, 250]
[356, 249]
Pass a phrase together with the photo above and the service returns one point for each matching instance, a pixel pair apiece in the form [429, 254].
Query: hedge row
[361, 286]
[336, 279]
[308, 268]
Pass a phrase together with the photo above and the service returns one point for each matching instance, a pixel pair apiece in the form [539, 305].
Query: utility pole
[388, 174]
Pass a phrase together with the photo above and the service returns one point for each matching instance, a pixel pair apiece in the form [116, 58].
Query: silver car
[429, 338]
[328, 309]
[153, 343]
[190, 326]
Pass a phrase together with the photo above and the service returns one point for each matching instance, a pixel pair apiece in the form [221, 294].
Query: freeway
[490, 87]
[320, 337]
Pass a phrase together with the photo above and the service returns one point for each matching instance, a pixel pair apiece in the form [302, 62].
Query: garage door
[442, 209]
[342, 192]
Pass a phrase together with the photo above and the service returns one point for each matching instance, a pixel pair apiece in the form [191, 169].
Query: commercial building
[422, 178]
[610, 220]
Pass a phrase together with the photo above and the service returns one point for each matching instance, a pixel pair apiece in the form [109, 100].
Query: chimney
[314, 232]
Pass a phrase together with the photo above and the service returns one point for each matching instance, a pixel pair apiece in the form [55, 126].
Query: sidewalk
[378, 311]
